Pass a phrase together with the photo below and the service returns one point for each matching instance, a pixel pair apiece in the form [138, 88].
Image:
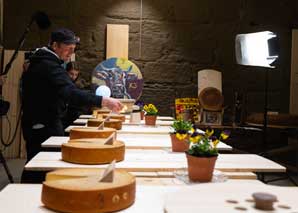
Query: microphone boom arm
[20, 44]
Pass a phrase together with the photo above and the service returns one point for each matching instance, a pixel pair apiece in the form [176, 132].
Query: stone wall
[178, 38]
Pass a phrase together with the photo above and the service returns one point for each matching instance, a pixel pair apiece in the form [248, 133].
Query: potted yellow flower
[202, 154]
[150, 114]
[180, 135]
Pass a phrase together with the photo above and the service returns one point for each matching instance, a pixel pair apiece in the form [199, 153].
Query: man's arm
[68, 91]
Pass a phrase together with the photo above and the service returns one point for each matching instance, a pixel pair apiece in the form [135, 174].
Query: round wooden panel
[122, 76]
[211, 99]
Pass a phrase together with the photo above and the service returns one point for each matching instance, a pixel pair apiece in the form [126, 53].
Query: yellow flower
[215, 143]
[150, 109]
[196, 139]
[181, 136]
[225, 134]
[209, 132]
[192, 130]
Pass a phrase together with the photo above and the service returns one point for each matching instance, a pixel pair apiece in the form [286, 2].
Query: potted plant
[141, 106]
[150, 114]
[202, 154]
[180, 135]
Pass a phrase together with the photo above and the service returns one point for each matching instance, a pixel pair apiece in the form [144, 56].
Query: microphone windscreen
[42, 20]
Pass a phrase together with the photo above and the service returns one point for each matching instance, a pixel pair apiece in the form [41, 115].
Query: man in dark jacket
[46, 89]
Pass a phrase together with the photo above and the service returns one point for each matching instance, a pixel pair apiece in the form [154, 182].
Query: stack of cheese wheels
[79, 190]
[114, 116]
[77, 132]
[92, 151]
[111, 123]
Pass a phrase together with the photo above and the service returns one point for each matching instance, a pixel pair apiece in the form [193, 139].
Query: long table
[83, 121]
[159, 161]
[26, 198]
[132, 141]
[213, 197]
[134, 129]
[162, 118]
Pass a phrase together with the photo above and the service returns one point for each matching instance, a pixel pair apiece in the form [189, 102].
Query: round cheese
[92, 152]
[115, 116]
[79, 190]
[100, 111]
[76, 133]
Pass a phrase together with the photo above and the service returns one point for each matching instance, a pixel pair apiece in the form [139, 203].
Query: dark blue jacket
[46, 89]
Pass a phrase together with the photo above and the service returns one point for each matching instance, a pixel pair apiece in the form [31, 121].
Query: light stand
[2, 160]
[265, 117]
[258, 49]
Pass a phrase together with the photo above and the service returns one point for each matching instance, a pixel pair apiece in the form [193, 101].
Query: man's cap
[65, 36]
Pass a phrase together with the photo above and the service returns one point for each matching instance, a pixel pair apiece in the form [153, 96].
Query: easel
[3, 161]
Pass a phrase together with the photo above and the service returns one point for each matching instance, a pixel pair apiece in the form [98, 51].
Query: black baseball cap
[65, 36]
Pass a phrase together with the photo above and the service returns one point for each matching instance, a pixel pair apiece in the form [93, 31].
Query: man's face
[64, 51]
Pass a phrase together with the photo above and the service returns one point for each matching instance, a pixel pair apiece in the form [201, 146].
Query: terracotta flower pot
[142, 115]
[200, 168]
[179, 145]
[150, 120]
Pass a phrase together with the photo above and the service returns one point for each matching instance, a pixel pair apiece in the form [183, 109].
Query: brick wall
[178, 38]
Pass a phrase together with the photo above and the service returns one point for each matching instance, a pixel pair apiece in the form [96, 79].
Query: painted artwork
[122, 76]
[187, 109]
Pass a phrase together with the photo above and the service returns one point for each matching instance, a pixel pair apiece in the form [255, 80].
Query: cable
[10, 141]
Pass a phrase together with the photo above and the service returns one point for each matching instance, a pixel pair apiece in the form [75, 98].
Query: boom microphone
[42, 20]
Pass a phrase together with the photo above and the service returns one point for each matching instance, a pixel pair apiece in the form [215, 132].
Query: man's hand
[112, 103]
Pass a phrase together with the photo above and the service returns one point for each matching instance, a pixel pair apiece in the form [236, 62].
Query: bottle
[135, 115]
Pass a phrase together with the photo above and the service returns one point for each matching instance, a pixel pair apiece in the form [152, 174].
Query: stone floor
[15, 167]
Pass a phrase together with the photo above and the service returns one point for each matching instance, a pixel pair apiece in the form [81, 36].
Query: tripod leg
[2, 160]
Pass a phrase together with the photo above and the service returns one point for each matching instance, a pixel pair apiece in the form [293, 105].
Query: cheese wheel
[111, 123]
[76, 133]
[79, 190]
[101, 111]
[113, 116]
[92, 152]
[88, 140]
[94, 122]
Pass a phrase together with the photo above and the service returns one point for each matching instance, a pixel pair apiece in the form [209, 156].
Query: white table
[213, 198]
[135, 129]
[83, 121]
[86, 116]
[26, 198]
[160, 161]
[163, 118]
[132, 141]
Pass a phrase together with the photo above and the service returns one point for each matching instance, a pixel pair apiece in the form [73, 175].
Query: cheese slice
[90, 132]
[110, 123]
[92, 152]
[79, 190]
